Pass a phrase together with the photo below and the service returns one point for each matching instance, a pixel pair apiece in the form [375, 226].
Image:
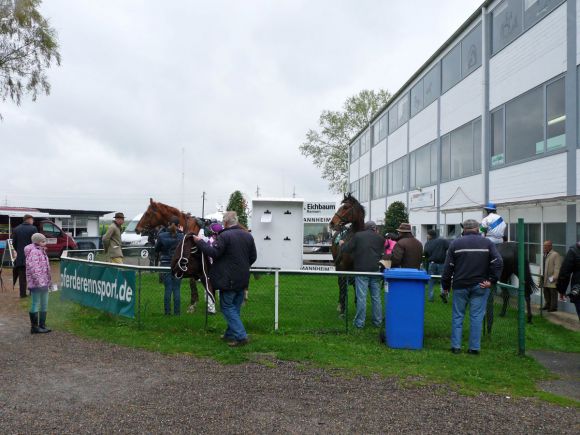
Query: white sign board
[422, 199]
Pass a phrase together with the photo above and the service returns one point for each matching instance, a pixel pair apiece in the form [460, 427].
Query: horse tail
[530, 285]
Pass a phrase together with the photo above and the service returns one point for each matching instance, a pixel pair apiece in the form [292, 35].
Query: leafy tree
[239, 204]
[396, 214]
[28, 47]
[328, 147]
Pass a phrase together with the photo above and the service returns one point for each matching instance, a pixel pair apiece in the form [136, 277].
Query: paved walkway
[59, 383]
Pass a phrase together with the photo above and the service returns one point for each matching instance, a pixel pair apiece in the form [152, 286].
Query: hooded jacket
[37, 267]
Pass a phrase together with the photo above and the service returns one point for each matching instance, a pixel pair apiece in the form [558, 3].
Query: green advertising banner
[101, 287]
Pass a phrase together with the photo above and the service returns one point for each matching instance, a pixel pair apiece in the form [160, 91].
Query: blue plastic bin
[405, 307]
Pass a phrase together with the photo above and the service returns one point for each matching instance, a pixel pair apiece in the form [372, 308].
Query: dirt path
[58, 383]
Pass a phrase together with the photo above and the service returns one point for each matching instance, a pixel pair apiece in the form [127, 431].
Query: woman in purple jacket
[39, 281]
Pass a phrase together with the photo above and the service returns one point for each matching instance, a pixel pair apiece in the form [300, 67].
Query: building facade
[491, 116]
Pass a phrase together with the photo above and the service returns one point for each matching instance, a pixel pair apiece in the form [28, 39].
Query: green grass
[311, 332]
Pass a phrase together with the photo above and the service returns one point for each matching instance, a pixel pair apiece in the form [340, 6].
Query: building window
[506, 23]
[533, 124]
[380, 129]
[75, 226]
[399, 113]
[451, 68]
[431, 85]
[379, 183]
[363, 189]
[355, 151]
[365, 142]
[535, 10]
[423, 166]
[397, 176]
[556, 233]
[471, 51]
[417, 98]
[460, 150]
[532, 242]
[354, 188]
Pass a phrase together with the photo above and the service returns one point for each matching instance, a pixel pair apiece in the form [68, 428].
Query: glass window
[556, 111]
[535, 10]
[524, 119]
[431, 85]
[434, 162]
[354, 188]
[417, 98]
[556, 232]
[355, 151]
[422, 170]
[403, 110]
[462, 151]
[477, 155]
[50, 230]
[506, 23]
[380, 129]
[471, 51]
[363, 188]
[497, 138]
[365, 142]
[412, 169]
[393, 119]
[451, 68]
[397, 176]
[379, 183]
[445, 158]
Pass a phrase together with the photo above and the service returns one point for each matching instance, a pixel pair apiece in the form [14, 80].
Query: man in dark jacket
[435, 252]
[408, 251]
[366, 249]
[233, 253]
[570, 274]
[473, 264]
[21, 237]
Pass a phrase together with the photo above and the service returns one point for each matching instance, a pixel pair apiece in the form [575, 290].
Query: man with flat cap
[112, 239]
[408, 252]
[472, 264]
[366, 249]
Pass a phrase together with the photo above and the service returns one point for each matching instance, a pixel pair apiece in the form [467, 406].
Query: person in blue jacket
[167, 241]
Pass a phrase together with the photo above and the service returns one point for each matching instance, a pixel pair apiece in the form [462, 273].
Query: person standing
[492, 225]
[167, 241]
[473, 264]
[570, 274]
[366, 248]
[233, 252]
[22, 237]
[552, 263]
[408, 251]
[112, 239]
[435, 252]
[39, 280]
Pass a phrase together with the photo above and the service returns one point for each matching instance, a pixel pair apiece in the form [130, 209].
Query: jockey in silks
[492, 226]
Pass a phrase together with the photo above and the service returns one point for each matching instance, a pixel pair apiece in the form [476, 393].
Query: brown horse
[348, 219]
[159, 214]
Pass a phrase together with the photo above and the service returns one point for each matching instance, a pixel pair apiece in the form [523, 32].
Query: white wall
[377, 210]
[364, 164]
[399, 197]
[540, 178]
[463, 102]
[353, 172]
[423, 127]
[471, 192]
[379, 155]
[533, 58]
[577, 174]
[397, 144]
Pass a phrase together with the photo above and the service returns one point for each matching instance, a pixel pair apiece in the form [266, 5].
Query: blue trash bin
[405, 307]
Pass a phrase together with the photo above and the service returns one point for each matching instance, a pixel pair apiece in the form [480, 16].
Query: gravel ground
[59, 383]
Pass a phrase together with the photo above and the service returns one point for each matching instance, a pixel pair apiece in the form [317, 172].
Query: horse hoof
[191, 309]
[529, 320]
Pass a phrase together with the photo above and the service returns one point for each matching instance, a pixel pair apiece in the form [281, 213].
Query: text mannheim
[491, 116]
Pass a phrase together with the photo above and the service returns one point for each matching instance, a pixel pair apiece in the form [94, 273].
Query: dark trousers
[19, 272]
[551, 298]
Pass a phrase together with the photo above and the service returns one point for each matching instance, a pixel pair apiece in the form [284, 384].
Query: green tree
[328, 146]
[396, 214]
[28, 47]
[239, 204]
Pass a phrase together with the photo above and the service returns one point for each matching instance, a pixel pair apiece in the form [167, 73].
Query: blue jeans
[434, 269]
[172, 287]
[231, 304]
[477, 299]
[39, 300]
[362, 283]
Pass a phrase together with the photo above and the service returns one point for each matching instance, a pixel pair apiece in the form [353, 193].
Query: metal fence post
[276, 298]
[521, 290]
[346, 307]
[139, 301]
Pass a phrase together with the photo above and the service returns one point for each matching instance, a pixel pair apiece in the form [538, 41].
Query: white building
[491, 116]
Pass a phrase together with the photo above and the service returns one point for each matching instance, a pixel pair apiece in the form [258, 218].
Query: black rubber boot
[34, 323]
[42, 323]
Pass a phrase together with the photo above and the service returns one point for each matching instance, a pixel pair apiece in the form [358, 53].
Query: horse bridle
[344, 219]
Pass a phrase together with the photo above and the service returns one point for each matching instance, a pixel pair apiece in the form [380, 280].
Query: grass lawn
[311, 332]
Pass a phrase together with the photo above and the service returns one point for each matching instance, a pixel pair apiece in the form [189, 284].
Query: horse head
[158, 213]
[350, 212]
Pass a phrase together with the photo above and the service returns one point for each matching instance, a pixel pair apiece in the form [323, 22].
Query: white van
[130, 238]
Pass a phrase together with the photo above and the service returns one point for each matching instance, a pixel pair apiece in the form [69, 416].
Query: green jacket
[112, 241]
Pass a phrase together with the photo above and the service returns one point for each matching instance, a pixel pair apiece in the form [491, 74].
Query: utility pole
[203, 205]
[182, 177]
[257, 191]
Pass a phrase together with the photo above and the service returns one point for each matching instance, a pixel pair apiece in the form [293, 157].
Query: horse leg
[342, 290]
[489, 309]
[194, 295]
[210, 296]
[506, 298]
[529, 307]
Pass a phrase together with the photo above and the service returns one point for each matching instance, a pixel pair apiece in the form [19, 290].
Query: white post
[276, 298]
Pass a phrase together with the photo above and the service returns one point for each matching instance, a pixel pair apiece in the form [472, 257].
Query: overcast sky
[235, 84]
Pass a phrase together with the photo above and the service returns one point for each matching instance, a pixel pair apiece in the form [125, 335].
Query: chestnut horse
[191, 262]
[348, 219]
